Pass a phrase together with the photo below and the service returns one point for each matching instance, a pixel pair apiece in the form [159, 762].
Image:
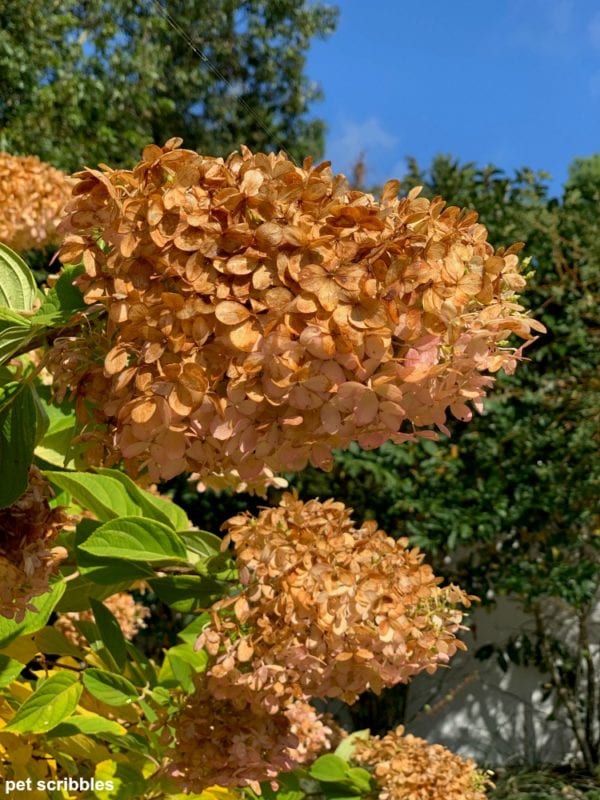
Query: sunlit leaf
[55, 699]
[114, 690]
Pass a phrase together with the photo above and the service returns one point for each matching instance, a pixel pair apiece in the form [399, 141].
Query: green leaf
[68, 764]
[62, 300]
[181, 663]
[221, 567]
[133, 742]
[42, 420]
[148, 711]
[102, 495]
[54, 701]
[81, 589]
[114, 690]
[17, 284]
[17, 439]
[110, 633]
[13, 318]
[197, 658]
[346, 747]
[56, 445]
[52, 642]
[89, 631]
[22, 649]
[126, 781]
[162, 696]
[182, 673]
[191, 632]
[150, 505]
[144, 667]
[84, 529]
[14, 333]
[112, 573]
[341, 793]
[136, 539]
[201, 543]
[187, 592]
[45, 605]
[92, 725]
[329, 768]
[10, 669]
[431, 448]
[9, 392]
[360, 778]
[110, 494]
[33, 620]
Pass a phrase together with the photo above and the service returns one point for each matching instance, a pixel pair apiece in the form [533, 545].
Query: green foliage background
[83, 82]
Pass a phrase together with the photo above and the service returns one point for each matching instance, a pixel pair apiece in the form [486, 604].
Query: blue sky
[510, 82]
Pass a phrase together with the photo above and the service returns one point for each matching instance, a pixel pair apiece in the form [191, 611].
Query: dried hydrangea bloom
[409, 768]
[327, 610]
[231, 480]
[130, 615]
[32, 195]
[338, 734]
[27, 558]
[215, 743]
[315, 733]
[261, 314]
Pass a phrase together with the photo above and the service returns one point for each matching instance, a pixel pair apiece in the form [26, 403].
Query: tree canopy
[94, 81]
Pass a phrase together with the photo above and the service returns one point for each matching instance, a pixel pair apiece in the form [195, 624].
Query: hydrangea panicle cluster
[261, 314]
[315, 732]
[408, 768]
[327, 610]
[216, 743]
[27, 558]
[32, 195]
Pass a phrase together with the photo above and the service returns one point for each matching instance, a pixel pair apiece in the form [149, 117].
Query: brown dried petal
[231, 313]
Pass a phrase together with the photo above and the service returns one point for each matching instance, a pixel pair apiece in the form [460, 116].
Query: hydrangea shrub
[231, 318]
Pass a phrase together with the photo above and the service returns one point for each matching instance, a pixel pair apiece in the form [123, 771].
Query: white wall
[477, 710]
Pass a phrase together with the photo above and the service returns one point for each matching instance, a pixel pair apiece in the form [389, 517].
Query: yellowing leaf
[22, 649]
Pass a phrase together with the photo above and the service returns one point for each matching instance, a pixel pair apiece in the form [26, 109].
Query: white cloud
[355, 138]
